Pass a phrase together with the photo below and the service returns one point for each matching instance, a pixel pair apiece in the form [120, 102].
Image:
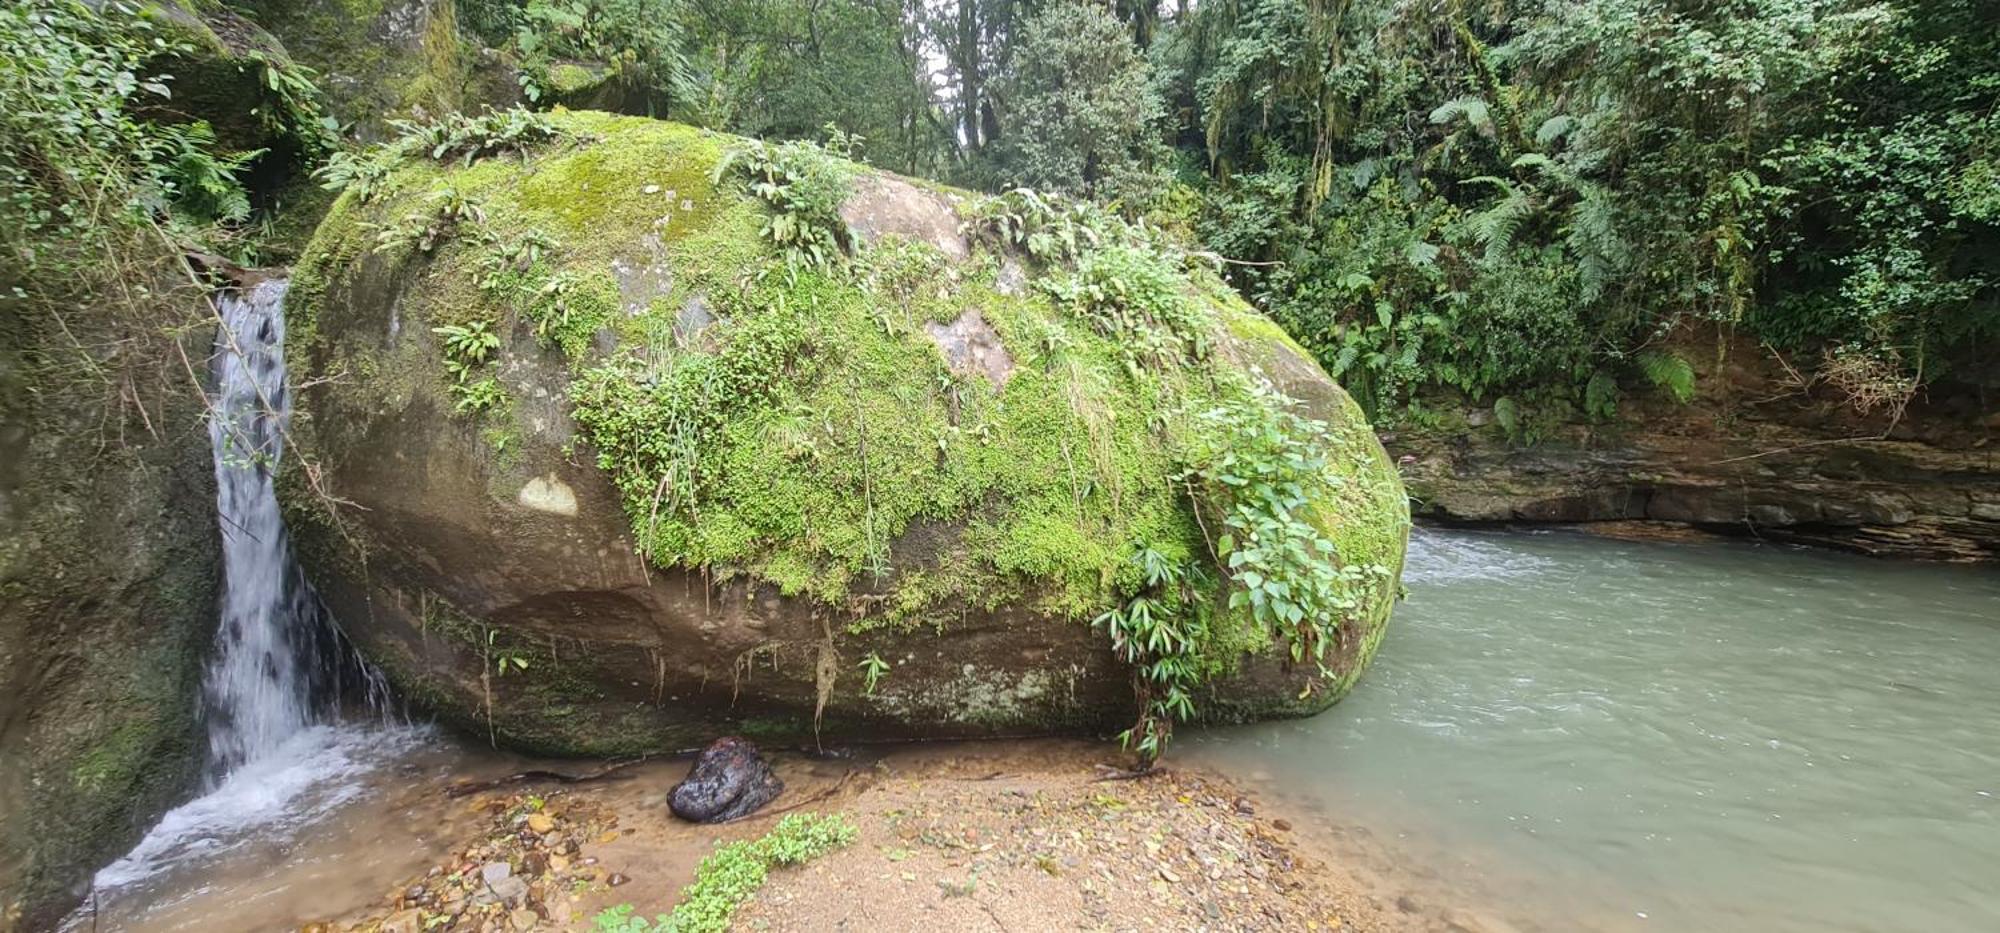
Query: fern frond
[1472, 109]
[1499, 226]
[1554, 128]
[1669, 373]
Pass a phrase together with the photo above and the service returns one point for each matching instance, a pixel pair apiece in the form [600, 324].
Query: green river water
[1582, 733]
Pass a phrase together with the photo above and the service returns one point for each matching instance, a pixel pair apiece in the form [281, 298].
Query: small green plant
[504, 660]
[468, 139]
[873, 668]
[1159, 632]
[362, 171]
[443, 211]
[1253, 471]
[296, 109]
[471, 398]
[467, 348]
[1669, 373]
[804, 186]
[1134, 295]
[467, 345]
[734, 872]
[504, 265]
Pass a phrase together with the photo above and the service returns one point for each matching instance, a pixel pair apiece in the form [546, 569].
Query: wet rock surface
[1750, 456]
[730, 779]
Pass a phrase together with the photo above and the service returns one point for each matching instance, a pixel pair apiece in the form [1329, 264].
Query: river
[1563, 732]
[1621, 735]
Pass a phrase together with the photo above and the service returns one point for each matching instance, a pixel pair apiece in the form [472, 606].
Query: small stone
[541, 823]
[406, 921]
[558, 864]
[651, 189]
[523, 919]
[495, 872]
[510, 890]
[616, 879]
[1282, 826]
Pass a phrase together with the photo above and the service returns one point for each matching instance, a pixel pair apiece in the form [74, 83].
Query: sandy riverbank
[1009, 836]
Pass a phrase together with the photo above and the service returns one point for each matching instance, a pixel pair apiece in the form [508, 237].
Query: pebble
[495, 872]
[509, 890]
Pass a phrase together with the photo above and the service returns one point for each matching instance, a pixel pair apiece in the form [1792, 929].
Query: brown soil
[1012, 836]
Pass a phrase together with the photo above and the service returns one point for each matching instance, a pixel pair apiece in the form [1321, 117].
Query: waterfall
[279, 663]
[280, 753]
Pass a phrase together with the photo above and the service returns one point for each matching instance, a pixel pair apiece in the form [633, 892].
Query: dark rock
[729, 779]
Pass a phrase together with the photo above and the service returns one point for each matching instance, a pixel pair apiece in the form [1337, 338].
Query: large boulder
[696, 486]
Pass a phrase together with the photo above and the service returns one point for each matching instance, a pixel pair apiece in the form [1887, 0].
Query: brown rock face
[1747, 457]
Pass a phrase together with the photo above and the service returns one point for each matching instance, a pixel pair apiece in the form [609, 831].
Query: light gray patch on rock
[972, 348]
[883, 204]
[693, 318]
[1013, 280]
[642, 280]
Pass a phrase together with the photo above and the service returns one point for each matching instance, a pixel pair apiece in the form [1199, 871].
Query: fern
[1499, 226]
[1669, 373]
[1554, 128]
[1507, 412]
[1600, 396]
[1472, 109]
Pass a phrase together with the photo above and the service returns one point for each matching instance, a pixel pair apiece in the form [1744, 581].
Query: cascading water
[282, 674]
[279, 662]
[259, 690]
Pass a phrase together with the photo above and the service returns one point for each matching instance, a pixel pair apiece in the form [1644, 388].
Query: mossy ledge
[692, 484]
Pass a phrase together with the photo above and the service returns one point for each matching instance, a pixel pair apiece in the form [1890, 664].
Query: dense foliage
[1535, 203]
[1540, 198]
[81, 169]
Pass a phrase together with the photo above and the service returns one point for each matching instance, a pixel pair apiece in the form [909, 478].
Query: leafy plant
[362, 171]
[455, 135]
[1254, 468]
[873, 668]
[1159, 632]
[732, 873]
[443, 211]
[804, 187]
[467, 348]
[1670, 373]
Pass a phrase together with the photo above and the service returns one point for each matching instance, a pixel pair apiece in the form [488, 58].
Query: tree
[1078, 108]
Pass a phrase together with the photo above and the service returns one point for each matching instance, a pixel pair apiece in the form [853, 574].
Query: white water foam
[1448, 557]
[306, 777]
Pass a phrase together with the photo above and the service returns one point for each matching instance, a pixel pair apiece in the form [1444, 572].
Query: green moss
[814, 436]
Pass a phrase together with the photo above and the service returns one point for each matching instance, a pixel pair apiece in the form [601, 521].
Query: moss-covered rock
[382, 60]
[695, 487]
[109, 567]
